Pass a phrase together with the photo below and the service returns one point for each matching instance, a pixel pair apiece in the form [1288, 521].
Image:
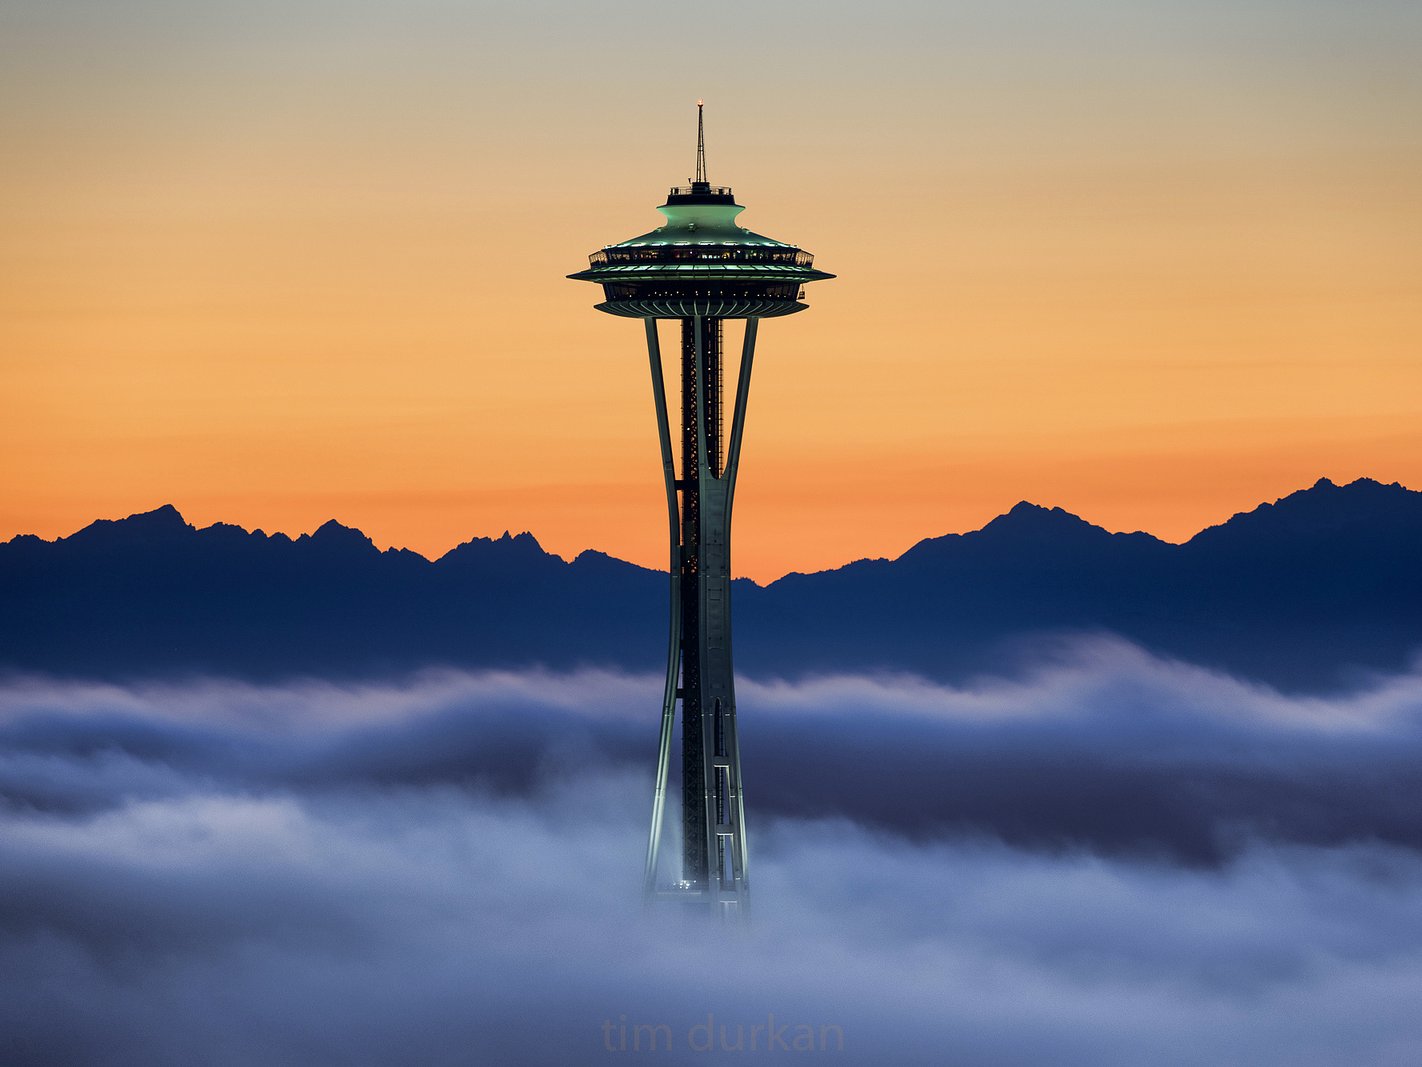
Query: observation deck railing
[700, 189]
[701, 254]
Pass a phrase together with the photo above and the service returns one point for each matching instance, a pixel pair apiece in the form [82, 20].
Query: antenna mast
[700, 144]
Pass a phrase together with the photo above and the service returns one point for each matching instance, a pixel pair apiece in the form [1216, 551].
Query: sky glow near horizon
[1153, 263]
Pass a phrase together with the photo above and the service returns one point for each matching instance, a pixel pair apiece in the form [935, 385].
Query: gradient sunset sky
[276, 263]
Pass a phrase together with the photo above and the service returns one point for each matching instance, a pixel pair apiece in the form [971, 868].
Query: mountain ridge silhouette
[1319, 588]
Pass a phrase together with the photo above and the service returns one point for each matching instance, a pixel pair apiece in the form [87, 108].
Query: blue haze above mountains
[1317, 590]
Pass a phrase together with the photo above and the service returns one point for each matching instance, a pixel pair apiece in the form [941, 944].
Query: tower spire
[700, 144]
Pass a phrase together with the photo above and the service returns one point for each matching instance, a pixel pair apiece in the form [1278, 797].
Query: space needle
[701, 268]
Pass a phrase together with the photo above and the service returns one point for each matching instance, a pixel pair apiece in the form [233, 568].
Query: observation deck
[701, 262]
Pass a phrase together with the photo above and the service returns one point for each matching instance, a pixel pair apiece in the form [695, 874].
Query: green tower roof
[700, 258]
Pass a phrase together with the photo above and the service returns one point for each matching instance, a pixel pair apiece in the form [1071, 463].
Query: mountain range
[1317, 590]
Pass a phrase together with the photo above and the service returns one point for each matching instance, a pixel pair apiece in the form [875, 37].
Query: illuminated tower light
[701, 268]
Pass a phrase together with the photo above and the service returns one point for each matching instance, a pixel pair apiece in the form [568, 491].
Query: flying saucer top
[701, 239]
[699, 245]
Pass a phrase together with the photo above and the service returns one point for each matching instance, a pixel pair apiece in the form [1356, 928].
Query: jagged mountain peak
[1324, 509]
[334, 535]
[160, 525]
[1029, 527]
[1025, 517]
[508, 546]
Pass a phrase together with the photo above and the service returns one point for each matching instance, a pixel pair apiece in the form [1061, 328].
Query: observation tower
[701, 268]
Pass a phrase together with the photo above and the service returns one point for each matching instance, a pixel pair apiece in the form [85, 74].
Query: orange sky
[283, 264]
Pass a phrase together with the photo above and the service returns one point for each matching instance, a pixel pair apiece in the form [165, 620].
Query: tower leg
[733, 466]
[659, 398]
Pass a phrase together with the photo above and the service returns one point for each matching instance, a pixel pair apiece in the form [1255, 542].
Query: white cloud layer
[445, 871]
